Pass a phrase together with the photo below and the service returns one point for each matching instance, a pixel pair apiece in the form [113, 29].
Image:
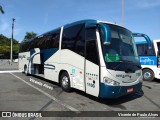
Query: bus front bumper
[107, 91]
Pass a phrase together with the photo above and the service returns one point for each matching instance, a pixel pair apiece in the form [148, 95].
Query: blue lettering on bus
[148, 60]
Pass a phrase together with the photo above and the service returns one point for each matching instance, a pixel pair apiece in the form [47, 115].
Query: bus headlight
[109, 81]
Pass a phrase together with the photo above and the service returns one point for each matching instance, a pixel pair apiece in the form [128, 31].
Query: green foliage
[16, 48]
[6, 41]
[30, 35]
[5, 47]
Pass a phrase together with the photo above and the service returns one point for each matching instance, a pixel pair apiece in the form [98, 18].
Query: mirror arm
[107, 35]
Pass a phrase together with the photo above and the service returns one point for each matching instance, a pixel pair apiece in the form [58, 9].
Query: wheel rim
[147, 75]
[65, 81]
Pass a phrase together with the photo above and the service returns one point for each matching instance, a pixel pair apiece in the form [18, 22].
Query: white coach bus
[96, 57]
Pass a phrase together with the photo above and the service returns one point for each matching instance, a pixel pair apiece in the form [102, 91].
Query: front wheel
[65, 82]
[148, 75]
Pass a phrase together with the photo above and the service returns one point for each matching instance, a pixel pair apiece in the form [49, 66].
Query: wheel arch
[154, 75]
[69, 88]
[60, 73]
[147, 68]
[25, 66]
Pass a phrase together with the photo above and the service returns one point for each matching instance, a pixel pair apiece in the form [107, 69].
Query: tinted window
[33, 43]
[91, 46]
[74, 39]
[47, 41]
[144, 51]
[51, 39]
[24, 47]
[91, 34]
[158, 45]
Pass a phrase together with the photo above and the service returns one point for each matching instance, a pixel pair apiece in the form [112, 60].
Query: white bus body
[82, 61]
[149, 59]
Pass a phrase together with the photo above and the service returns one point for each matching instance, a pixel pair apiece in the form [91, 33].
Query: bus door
[158, 52]
[35, 60]
[92, 63]
[35, 56]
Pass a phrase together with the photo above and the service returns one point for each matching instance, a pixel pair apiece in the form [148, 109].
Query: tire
[65, 82]
[25, 70]
[148, 75]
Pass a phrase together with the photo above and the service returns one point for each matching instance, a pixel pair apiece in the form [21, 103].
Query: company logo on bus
[124, 76]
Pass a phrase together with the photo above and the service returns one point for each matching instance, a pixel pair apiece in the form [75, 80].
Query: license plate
[129, 90]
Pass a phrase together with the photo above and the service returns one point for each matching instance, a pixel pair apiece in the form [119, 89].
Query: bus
[149, 58]
[97, 57]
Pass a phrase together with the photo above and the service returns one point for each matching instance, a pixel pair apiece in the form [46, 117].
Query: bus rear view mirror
[106, 33]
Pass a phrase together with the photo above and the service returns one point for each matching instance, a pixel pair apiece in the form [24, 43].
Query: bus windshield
[121, 52]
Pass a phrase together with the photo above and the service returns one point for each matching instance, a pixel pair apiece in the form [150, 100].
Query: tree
[5, 43]
[30, 35]
[1, 9]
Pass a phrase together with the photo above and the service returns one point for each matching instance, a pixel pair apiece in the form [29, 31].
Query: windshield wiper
[117, 65]
[122, 61]
[134, 64]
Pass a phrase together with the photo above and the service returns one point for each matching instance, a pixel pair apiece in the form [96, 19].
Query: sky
[40, 16]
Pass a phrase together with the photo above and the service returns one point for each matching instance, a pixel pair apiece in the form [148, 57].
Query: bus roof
[89, 21]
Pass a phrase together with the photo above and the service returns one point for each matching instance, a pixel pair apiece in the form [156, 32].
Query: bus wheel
[148, 75]
[65, 82]
[25, 70]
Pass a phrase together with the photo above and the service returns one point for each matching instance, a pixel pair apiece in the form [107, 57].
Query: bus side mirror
[148, 40]
[105, 33]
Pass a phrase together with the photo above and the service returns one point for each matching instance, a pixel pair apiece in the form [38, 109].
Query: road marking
[48, 95]
[10, 71]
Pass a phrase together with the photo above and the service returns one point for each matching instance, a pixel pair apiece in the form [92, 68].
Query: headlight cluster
[109, 81]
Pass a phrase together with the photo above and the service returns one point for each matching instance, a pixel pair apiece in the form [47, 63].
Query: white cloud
[4, 26]
[149, 3]
[17, 31]
[46, 19]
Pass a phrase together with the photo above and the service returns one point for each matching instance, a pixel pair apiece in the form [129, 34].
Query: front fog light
[109, 81]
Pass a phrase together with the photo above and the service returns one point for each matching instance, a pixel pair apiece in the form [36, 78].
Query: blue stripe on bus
[47, 53]
[107, 91]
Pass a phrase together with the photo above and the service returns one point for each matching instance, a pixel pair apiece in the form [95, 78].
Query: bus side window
[49, 40]
[144, 51]
[91, 46]
[141, 50]
[25, 46]
[74, 39]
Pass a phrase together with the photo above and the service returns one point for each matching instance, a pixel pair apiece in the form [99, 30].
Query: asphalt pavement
[30, 93]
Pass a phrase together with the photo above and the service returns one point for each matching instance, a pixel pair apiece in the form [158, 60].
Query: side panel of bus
[92, 64]
[79, 57]
[23, 60]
